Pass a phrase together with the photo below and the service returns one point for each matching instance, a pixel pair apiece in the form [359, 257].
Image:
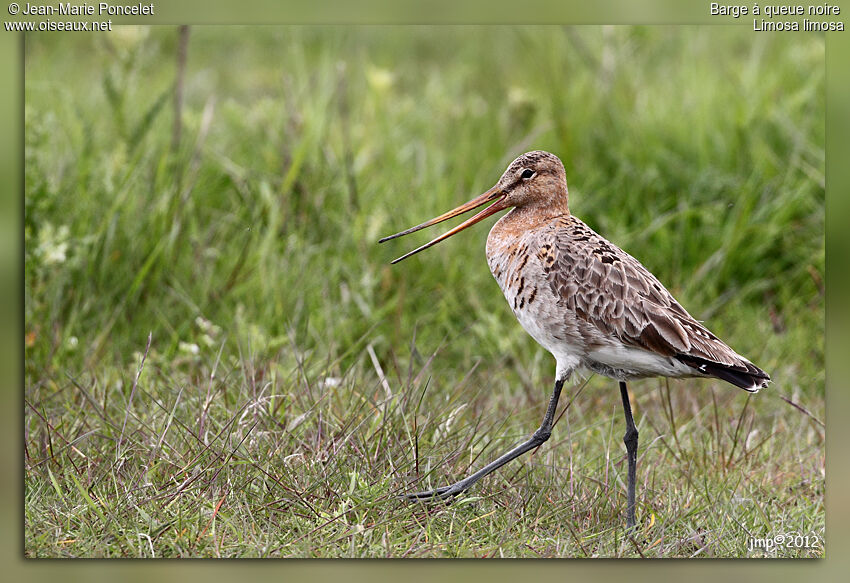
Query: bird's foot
[636, 534]
[444, 493]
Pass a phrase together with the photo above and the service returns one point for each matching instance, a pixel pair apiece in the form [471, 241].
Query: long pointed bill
[492, 194]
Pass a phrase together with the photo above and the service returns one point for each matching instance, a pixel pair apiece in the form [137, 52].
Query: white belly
[627, 362]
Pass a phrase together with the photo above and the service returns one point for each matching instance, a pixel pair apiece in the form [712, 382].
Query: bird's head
[535, 181]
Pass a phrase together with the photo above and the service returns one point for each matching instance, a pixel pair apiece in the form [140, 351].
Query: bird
[593, 306]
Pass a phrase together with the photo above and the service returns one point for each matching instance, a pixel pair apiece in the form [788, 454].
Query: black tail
[745, 375]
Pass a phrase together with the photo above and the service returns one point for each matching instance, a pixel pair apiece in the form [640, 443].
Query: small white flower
[57, 254]
[330, 382]
[189, 347]
[206, 326]
[53, 244]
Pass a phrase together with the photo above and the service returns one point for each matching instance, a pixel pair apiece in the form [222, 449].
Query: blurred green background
[246, 245]
[700, 151]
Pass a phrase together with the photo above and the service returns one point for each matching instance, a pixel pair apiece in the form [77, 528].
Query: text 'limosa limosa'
[586, 301]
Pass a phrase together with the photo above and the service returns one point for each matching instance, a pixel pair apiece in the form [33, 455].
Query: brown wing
[607, 287]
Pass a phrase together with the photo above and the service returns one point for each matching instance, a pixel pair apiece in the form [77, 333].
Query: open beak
[493, 194]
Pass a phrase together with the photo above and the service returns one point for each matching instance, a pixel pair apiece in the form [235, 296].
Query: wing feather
[610, 289]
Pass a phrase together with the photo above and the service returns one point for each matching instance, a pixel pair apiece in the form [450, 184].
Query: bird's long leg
[631, 441]
[539, 437]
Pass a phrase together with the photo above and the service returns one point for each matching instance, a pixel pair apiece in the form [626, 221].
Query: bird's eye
[527, 173]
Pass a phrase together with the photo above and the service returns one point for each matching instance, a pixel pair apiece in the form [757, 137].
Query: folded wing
[607, 287]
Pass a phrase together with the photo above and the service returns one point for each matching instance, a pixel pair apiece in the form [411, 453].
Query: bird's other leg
[631, 441]
[539, 437]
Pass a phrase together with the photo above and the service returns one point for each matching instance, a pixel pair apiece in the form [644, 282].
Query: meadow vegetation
[220, 360]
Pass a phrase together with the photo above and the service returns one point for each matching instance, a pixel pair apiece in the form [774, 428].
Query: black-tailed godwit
[585, 300]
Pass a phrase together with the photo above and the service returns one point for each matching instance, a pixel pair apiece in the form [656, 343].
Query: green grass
[295, 383]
